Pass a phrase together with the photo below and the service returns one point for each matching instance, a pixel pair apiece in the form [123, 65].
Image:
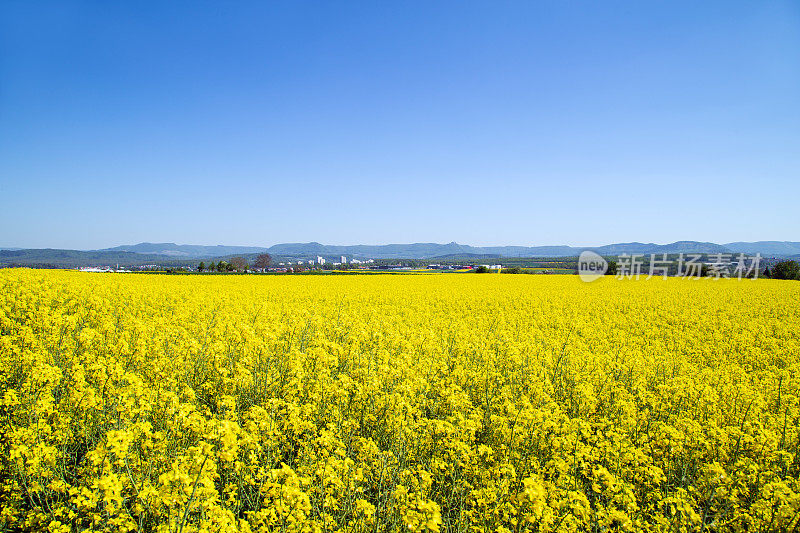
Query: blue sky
[531, 123]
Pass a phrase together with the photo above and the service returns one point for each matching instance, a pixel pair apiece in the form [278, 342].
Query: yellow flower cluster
[397, 403]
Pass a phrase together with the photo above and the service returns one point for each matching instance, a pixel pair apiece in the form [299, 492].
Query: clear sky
[530, 123]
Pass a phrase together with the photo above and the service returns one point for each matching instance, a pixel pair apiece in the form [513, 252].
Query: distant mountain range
[170, 254]
[434, 250]
[766, 248]
[188, 251]
[53, 258]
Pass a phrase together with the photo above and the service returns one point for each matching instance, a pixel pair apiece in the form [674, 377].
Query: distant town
[319, 265]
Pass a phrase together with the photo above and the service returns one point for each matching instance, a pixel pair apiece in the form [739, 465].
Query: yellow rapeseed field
[453, 402]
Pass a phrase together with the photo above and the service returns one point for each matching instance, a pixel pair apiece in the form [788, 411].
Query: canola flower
[397, 403]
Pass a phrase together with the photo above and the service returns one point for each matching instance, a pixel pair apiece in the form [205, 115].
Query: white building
[320, 260]
[344, 260]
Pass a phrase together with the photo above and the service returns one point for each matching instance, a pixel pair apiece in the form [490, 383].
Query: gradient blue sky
[535, 122]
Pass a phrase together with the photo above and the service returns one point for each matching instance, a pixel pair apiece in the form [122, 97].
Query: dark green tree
[201, 266]
[786, 270]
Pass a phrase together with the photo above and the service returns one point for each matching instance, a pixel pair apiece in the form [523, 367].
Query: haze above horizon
[518, 123]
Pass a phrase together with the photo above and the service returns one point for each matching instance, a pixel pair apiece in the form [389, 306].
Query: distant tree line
[236, 264]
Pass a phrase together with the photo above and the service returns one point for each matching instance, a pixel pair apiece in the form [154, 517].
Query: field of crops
[397, 403]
